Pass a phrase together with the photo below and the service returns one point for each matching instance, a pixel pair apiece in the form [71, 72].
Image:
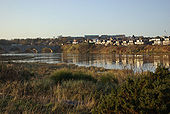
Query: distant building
[113, 37]
[104, 42]
[109, 42]
[75, 42]
[118, 37]
[99, 42]
[78, 39]
[156, 41]
[130, 42]
[91, 37]
[91, 41]
[118, 43]
[139, 42]
[104, 37]
[69, 39]
[125, 42]
[166, 41]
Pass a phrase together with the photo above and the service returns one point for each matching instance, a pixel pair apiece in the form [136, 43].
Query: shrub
[10, 72]
[83, 76]
[108, 78]
[63, 75]
[147, 94]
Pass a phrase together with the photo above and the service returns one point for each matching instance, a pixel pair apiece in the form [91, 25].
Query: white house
[75, 42]
[139, 42]
[130, 42]
[125, 42]
[99, 42]
[166, 41]
[117, 43]
[156, 41]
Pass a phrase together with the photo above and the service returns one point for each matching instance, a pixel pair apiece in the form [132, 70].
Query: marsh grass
[81, 90]
[65, 74]
[11, 72]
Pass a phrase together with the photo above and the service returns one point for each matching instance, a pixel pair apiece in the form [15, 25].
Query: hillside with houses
[89, 44]
[91, 39]
[118, 40]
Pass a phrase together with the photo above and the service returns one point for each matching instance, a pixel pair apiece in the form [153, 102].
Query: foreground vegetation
[61, 88]
[132, 49]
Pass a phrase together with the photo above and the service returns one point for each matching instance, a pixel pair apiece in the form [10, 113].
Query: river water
[109, 61]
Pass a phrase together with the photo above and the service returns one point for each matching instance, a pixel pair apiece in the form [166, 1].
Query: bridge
[29, 48]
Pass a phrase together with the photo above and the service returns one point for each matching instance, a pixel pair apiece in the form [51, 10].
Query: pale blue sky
[47, 18]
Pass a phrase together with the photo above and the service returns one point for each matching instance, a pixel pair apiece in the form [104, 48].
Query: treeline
[28, 41]
[132, 49]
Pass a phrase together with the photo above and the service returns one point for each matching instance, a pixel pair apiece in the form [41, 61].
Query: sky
[48, 18]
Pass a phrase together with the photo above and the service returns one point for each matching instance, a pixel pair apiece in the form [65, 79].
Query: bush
[147, 94]
[63, 75]
[10, 72]
[108, 78]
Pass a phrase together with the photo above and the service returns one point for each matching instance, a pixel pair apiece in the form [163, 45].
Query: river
[138, 63]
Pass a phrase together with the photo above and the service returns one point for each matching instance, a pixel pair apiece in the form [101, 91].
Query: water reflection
[110, 61]
[135, 62]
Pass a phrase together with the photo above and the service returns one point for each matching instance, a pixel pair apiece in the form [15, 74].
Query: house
[91, 41]
[75, 42]
[98, 42]
[109, 41]
[118, 43]
[104, 42]
[125, 42]
[166, 41]
[146, 41]
[104, 37]
[91, 37]
[78, 39]
[156, 41]
[139, 42]
[118, 37]
[130, 42]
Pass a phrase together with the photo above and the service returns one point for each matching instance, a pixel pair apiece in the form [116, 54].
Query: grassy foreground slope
[39, 88]
[133, 49]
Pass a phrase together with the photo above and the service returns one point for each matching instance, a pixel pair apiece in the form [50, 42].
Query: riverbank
[133, 49]
[63, 88]
[44, 69]
[9, 58]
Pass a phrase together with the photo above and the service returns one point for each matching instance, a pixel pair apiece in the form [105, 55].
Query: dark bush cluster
[10, 72]
[146, 94]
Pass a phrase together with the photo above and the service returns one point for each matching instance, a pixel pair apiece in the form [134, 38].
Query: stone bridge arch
[15, 49]
[31, 50]
[46, 50]
[1, 50]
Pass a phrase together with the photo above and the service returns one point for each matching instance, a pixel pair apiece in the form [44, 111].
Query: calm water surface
[109, 61]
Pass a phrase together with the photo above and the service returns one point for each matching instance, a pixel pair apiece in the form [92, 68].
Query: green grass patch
[64, 75]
